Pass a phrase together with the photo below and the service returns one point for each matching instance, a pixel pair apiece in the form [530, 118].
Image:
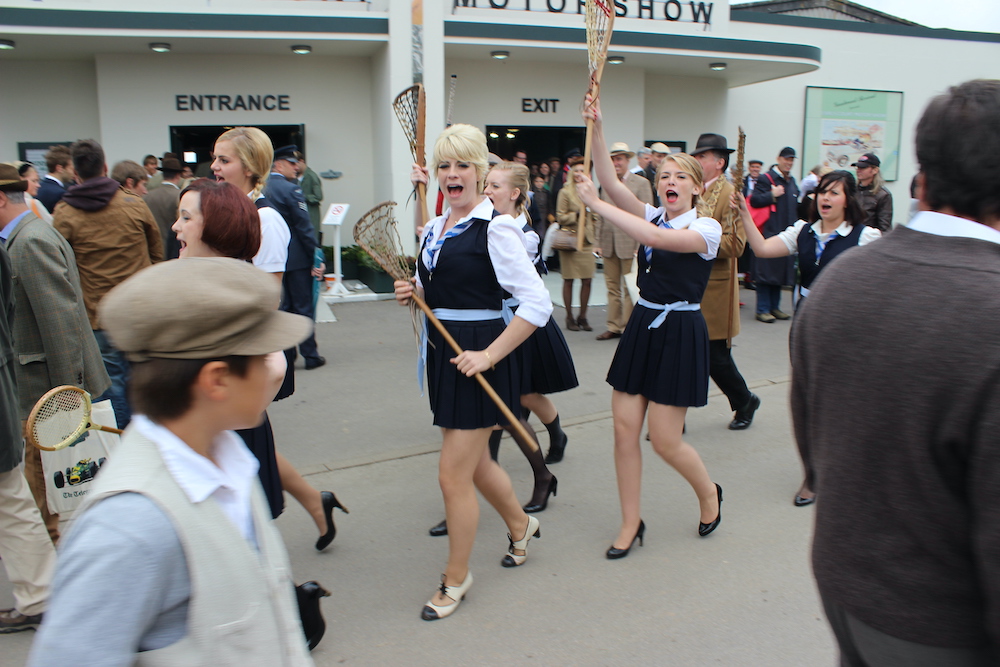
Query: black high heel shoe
[557, 450]
[329, 502]
[614, 552]
[704, 529]
[539, 505]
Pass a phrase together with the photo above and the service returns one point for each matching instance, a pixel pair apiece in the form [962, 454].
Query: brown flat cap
[199, 308]
[660, 147]
[10, 180]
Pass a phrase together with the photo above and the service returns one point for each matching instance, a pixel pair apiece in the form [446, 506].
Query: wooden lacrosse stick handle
[588, 151]
[514, 421]
[422, 203]
[108, 429]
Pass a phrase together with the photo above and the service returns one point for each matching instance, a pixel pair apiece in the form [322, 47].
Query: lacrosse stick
[600, 24]
[737, 170]
[376, 232]
[60, 418]
[410, 109]
[451, 99]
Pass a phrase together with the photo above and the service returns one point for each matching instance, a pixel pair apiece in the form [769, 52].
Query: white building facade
[85, 70]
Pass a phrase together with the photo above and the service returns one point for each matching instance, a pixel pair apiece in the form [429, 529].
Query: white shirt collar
[844, 229]
[682, 221]
[51, 177]
[709, 184]
[230, 478]
[483, 211]
[941, 224]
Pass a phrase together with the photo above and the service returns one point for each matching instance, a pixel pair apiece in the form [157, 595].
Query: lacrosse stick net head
[409, 108]
[59, 418]
[600, 20]
[377, 233]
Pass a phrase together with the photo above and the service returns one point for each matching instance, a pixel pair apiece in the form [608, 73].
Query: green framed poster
[842, 124]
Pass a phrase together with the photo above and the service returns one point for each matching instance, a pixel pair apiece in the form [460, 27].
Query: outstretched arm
[605, 169]
[771, 247]
[653, 236]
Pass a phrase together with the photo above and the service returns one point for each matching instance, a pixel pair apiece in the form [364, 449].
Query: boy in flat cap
[173, 559]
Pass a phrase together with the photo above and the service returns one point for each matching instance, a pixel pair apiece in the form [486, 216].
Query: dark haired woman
[837, 225]
[218, 219]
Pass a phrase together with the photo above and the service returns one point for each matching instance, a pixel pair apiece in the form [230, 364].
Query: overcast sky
[976, 15]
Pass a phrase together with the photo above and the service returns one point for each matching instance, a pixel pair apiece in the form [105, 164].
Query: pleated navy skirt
[458, 401]
[260, 441]
[667, 365]
[547, 364]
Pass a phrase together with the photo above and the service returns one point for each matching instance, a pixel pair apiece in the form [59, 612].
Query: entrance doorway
[194, 143]
[540, 143]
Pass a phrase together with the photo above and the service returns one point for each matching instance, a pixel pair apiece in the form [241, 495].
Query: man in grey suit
[618, 248]
[52, 335]
[162, 201]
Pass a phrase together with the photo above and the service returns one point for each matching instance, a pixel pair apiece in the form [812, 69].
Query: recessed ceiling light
[500, 55]
[160, 47]
[7, 44]
[616, 60]
[302, 49]
[717, 67]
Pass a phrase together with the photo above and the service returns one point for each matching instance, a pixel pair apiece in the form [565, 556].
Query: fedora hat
[10, 180]
[169, 163]
[711, 142]
[621, 148]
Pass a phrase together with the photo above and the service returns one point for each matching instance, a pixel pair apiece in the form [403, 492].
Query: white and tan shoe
[517, 552]
[433, 612]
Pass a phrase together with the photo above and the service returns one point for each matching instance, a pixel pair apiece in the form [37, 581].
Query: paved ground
[742, 597]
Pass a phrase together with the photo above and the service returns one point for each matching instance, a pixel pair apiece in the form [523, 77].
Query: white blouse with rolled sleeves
[514, 271]
[708, 228]
[790, 234]
[274, 238]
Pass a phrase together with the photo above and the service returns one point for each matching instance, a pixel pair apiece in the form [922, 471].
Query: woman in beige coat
[575, 264]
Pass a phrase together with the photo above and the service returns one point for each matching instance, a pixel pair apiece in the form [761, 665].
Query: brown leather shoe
[608, 335]
[583, 324]
[571, 324]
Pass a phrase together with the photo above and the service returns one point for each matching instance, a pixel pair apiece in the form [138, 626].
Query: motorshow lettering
[670, 10]
[232, 102]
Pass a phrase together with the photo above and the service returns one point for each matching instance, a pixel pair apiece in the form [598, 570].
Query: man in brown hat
[618, 248]
[51, 328]
[163, 200]
[25, 549]
[721, 303]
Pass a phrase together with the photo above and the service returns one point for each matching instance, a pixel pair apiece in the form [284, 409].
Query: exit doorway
[194, 143]
[540, 143]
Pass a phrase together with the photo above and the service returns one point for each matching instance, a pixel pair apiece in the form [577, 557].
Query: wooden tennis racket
[60, 418]
[600, 17]
[377, 233]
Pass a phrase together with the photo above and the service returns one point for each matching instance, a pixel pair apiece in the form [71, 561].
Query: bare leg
[302, 491]
[628, 411]
[494, 483]
[541, 405]
[666, 423]
[461, 453]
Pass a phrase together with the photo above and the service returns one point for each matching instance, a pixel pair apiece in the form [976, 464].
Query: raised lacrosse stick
[60, 418]
[377, 233]
[737, 170]
[600, 17]
[410, 108]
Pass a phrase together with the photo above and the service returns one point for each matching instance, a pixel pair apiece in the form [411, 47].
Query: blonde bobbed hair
[255, 151]
[464, 143]
[518, 176]
[690, 166]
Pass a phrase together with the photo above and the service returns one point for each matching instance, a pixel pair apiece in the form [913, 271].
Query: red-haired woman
[217, 219]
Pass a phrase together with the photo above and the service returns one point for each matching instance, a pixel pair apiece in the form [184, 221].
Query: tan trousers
[35, 475]
[619, 302]
[25, 547]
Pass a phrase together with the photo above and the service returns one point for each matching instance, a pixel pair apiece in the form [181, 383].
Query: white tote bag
[70, 472]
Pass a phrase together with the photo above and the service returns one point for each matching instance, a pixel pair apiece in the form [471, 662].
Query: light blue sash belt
[666, 308]
[508, 309]
[450, 315]
[803, 291]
